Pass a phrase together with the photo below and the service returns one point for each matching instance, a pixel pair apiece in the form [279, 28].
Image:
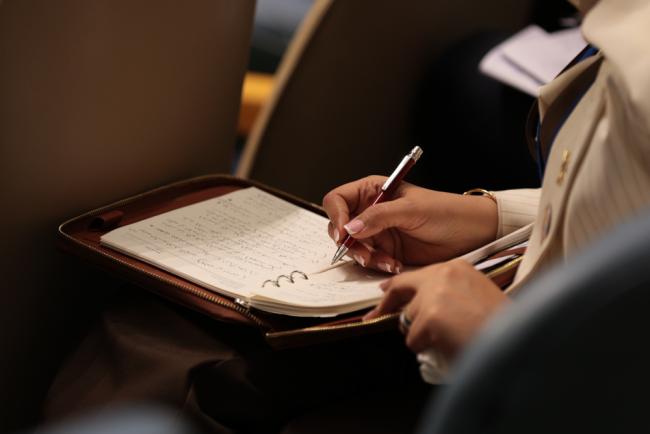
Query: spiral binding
[290, 278]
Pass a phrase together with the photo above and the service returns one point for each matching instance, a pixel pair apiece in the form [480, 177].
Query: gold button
[546, 223]
[564, 166]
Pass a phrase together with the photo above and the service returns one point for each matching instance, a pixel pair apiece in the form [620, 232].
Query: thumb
[378, 218]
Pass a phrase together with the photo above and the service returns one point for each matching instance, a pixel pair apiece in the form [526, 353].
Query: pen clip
[413, 156]
[396, 173]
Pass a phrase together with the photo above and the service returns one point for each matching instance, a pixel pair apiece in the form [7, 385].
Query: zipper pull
[243, 303]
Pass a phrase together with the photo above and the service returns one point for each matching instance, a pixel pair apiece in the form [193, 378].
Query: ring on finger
[404, 322]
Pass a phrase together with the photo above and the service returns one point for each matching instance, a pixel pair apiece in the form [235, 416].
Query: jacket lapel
[570, 145]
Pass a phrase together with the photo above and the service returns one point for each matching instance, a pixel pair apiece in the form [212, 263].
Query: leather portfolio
[81, 236]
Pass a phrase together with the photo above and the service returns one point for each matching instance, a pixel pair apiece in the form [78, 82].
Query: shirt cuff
[433, 366]
[516, 208]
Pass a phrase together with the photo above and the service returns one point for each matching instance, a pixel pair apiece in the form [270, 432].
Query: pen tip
[340, 252]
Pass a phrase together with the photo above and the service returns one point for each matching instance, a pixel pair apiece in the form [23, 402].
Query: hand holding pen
[385, 192]
[414, 226]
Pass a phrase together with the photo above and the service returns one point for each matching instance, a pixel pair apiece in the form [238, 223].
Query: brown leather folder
[81, 236]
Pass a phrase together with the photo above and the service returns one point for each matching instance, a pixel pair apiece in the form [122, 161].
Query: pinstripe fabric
[516, 209]
[607, 138]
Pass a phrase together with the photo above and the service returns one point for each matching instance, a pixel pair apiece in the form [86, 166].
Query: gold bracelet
[480, 192]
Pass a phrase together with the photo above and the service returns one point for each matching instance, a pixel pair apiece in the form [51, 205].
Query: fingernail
[354, 226]
[385, 266]
[336, 235]
[398, 269]
[360, 260]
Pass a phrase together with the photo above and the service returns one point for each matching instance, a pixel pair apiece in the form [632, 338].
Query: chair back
[569, 356]
[99, 100]
[347, 88]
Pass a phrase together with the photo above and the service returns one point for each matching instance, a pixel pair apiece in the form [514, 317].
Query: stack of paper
[532, 57]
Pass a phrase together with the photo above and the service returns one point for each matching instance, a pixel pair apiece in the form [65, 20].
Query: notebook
[256, 248]
[267, 253]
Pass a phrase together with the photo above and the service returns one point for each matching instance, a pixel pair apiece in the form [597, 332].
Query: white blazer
[598, 171]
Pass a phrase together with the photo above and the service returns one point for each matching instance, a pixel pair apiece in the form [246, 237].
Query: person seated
[596, 116]
[593, 143]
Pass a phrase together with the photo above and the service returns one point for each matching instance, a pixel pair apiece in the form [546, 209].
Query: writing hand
[416, 226]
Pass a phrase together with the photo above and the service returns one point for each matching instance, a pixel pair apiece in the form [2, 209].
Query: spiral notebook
[256, 248]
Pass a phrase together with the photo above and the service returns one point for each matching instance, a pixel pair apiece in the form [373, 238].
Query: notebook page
[231, 243]
[345, 285]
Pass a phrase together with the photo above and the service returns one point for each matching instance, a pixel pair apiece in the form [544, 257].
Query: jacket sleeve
[516, 208]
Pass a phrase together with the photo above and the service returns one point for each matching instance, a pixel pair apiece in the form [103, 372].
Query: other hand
[445, 303]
